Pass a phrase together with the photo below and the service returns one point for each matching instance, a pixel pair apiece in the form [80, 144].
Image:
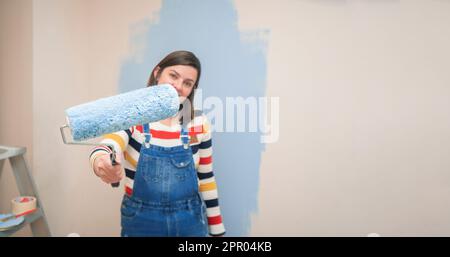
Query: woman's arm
[208, 186]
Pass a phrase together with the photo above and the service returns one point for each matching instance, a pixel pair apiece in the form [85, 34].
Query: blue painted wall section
[231, 67]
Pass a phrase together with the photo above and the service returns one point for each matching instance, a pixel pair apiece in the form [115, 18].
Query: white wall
[364, 128]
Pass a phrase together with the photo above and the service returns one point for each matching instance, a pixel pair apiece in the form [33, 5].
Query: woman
[170, 189]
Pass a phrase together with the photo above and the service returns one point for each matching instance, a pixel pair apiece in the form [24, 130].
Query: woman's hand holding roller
[104, 169]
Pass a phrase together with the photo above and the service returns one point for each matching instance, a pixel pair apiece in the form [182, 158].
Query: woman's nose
[177, 85]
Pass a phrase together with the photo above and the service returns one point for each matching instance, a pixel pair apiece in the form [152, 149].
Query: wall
[364, 129]
[363, 126]
[78, 46]
[16, 126]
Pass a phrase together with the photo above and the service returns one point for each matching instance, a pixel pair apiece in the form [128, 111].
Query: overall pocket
[129, 209]
[181, 162]
[182, 165]
[149, 169]
[201, 219]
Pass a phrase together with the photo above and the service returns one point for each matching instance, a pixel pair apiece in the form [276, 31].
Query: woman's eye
[188, 85]
[173, 76]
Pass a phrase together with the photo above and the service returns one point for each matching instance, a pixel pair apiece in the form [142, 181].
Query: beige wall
[365, 130]
[363, 87]
[78, 46]
[16, 126]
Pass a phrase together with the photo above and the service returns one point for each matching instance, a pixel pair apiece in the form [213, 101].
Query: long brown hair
[178, 58]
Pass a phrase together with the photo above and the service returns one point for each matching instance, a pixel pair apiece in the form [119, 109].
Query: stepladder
[26, 187]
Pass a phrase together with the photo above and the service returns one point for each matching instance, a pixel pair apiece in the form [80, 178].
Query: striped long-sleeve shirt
[129, 142]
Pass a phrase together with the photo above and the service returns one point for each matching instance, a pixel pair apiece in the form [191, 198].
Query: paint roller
[119, 112]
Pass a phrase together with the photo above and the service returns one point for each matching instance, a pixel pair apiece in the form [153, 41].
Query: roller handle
[112, 155]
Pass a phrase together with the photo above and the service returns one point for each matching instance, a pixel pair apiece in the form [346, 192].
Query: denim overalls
[165, 199]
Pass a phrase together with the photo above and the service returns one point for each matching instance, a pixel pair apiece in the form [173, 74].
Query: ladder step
[30, 218]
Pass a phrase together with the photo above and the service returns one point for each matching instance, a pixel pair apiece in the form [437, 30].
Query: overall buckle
[185, 140]
[147, 137]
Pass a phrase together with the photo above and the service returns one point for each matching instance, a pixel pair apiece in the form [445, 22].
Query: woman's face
[181, 77]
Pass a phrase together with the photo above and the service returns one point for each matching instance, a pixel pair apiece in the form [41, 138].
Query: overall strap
[184, 136]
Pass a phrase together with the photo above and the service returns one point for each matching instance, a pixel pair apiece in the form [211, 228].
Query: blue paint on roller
[122, 111]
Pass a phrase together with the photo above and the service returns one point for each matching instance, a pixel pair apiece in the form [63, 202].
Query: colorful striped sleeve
[118, 139]
[208, 186]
